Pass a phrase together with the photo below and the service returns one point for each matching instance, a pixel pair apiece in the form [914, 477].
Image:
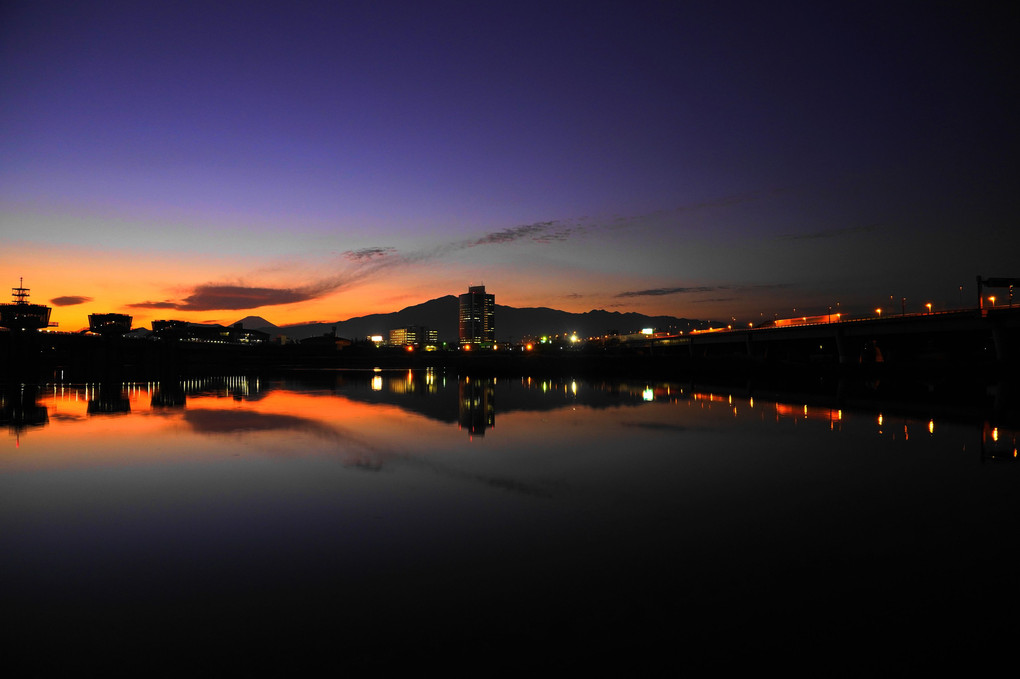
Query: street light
[992, 300]
[879, 312]
[929, 307]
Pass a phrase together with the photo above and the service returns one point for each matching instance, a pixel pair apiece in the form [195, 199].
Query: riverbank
[38, 357]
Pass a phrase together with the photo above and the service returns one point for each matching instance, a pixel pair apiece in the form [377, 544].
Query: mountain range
[511, 323]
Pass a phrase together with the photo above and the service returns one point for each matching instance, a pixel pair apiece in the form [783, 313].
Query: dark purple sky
[317, 160]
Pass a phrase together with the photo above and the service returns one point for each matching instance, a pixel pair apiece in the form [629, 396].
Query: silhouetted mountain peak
[255, 323]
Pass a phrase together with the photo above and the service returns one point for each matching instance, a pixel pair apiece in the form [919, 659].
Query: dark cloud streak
[368, 254]
[658, 292]
[70, 300]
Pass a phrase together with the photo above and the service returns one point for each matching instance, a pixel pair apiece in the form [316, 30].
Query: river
[374, 519]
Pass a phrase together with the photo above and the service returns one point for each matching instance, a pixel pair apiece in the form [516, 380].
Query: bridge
[965, 336]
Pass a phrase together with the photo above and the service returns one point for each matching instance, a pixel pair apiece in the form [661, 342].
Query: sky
[317, 161]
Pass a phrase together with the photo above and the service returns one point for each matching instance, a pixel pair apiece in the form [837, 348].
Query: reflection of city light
[648, 394]
[931, 426]
[377, 383]
[880, 419]
[573, 388]
[995, 434]
[752, 402]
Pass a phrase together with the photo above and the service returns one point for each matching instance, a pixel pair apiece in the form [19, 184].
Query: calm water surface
[381, 517]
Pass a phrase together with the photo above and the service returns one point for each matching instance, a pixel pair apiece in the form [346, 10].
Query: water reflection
[365, 511]
[470, 403]
[477, 403]
[109, 398]
[19, 409]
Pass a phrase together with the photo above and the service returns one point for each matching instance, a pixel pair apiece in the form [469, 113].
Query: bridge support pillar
[999, 339]
[842, 350]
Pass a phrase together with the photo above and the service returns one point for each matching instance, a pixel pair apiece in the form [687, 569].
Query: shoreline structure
[968, 342]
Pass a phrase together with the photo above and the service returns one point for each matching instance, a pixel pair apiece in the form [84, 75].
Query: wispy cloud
[153, 305]
[658, 292]
[368, 254]
[212, 297]
[361, 265]
[515, 233]
[364, 263]
[70, 300]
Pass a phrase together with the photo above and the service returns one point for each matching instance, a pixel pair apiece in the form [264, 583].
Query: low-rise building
[414, 336]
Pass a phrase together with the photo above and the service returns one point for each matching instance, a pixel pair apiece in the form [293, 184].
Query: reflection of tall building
[477, 324]
[477, 405]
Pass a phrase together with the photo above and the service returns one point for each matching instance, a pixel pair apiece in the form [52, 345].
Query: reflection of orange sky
[278, 422]
[351, 429]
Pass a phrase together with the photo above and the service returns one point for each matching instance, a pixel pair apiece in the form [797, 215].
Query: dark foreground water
[360, 519]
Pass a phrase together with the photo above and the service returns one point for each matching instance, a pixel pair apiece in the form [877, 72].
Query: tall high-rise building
[476, 317]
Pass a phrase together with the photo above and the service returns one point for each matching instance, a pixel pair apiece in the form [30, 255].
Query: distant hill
[511, 322]
[255, 323]
[514, 323]
[440, 314]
